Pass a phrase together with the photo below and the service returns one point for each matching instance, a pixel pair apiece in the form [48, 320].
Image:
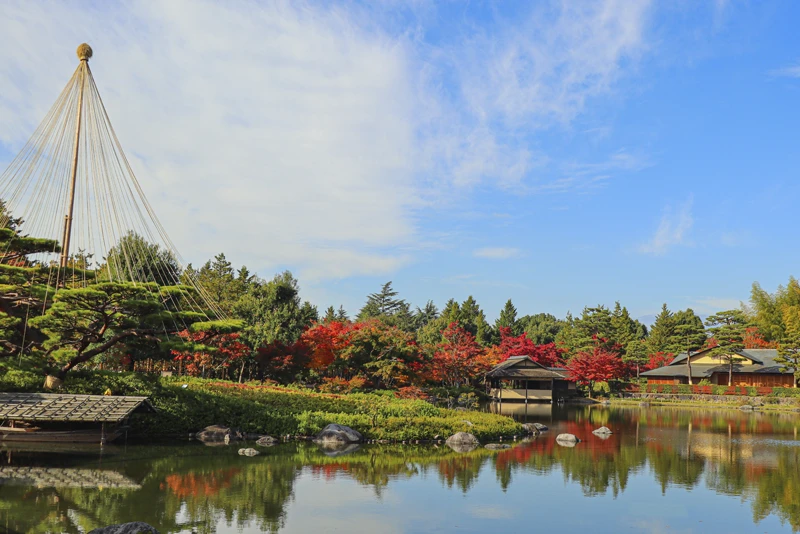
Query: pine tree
[728, 328]
[541, 328]
[789, 356]
[423, 316]
[662, 331]
[507, 318]
[382, 303]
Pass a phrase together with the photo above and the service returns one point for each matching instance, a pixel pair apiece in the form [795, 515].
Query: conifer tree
[507, 318]
[728, 328]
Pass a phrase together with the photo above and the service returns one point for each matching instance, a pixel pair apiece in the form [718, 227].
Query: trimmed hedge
[686, 389]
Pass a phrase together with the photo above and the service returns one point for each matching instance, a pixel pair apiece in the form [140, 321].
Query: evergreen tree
[728, 328]
[472, 319]
[134, 259]
[423, 316]
[689, 336]
[625, 329]
[382, 303]
[662, 331]
[341, 315]
[274, 312]
[789, 356]
[541, 328]
[330, 315]
[507, 318]
[636, 354]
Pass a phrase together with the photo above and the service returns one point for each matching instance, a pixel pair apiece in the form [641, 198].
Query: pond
[662, 470]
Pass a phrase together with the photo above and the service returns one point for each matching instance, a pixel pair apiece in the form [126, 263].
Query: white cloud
[792, 71]
[547, 67]
[302, 135]
[496, 253]
[672, 230]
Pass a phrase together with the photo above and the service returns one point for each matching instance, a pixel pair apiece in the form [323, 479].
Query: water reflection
[191, 488]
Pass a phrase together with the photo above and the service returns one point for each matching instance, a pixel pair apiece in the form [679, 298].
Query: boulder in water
[540, 427]
[567, 440]
[217, 434]
[248, 452]
[334, 433]
[266, 441]
[497, 446]
[530, 429]
[462, 442]
[602, 431]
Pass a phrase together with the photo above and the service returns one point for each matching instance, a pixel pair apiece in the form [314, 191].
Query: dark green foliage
[728, 329]
[382, 303]
[541, 328]
[273, 312]
[136, 259]
[508, 318]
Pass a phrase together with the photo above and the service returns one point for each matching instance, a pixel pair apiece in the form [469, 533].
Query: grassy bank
[270, 409]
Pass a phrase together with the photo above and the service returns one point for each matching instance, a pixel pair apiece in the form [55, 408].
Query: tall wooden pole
[84, 53]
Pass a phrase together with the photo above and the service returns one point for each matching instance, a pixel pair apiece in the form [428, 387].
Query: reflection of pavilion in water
[60, 477]
[524, 411]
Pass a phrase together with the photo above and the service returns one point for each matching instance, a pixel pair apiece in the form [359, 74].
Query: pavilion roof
[70, 408]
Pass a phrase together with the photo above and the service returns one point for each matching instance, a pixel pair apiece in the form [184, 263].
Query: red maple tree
[549, 355]
[659, 359]
[599, 365]
[458, 358]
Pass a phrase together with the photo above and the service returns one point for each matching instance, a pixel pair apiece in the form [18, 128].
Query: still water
[663, 470]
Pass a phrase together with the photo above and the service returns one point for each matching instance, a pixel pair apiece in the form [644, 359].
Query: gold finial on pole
[84, 52]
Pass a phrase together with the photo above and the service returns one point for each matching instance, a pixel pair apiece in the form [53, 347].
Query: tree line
[148, 318]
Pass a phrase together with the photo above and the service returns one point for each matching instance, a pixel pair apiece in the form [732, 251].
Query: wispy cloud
[672, 231]
[791, 71]
[317, 120]
[496, 253]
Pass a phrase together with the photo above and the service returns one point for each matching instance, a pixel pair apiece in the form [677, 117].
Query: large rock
[217, 434]
[462, 442]
[248, 452]
[567, 440]
[333, 434]
[497, 446]
[137, 527]
[540, 427]
[530, 429]
[602, 431]
[266, 441]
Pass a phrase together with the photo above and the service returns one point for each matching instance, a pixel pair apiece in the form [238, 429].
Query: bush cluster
[268, 409]
[686, 389]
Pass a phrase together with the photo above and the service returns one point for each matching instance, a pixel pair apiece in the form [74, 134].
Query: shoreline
[792, 406]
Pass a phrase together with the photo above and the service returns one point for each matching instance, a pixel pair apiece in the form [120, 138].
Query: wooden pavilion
[521, 379]
[66, 418]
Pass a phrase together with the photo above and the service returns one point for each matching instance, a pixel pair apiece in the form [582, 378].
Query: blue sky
[560, 154]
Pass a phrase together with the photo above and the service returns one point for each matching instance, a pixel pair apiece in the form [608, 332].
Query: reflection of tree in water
[205, 487]
[670, 468]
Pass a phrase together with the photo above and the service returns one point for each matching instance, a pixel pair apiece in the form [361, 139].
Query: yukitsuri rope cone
[72, 183]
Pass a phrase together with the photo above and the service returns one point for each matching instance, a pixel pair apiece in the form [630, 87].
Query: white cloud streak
[302, 135]
[672, 231]
[792, 71]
